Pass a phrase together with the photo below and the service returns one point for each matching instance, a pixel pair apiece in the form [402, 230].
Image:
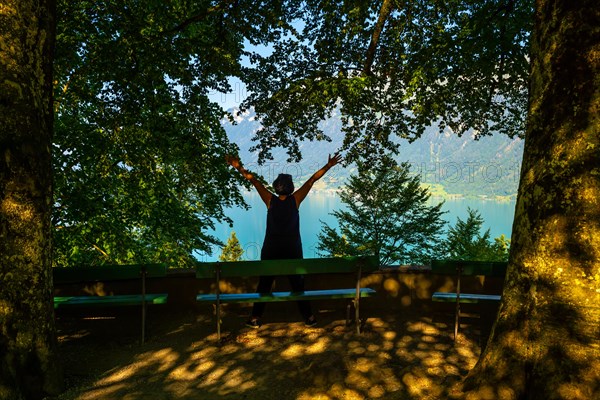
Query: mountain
[450, 165]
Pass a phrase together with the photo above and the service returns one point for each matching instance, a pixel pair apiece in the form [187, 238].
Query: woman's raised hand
[233, 161]
[332, 161]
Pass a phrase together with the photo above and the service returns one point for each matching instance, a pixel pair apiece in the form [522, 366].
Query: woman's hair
[283, 185]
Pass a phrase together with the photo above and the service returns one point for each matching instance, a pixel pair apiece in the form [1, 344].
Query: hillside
[451, 165]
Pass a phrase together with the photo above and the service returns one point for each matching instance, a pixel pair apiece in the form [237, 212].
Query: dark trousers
[265, 285]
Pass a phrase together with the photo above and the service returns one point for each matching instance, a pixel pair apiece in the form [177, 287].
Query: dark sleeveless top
[282, 239]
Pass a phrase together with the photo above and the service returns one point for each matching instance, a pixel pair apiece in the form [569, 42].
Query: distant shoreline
[436, 196]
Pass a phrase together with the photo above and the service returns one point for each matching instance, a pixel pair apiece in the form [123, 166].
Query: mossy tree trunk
[546, 341]
[28, 362]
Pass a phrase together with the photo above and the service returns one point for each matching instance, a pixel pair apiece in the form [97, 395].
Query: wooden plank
[116, 300]
[487, 268]
[87, 273]
[156, 270]
[450, 297]
[304, 266]
[286, 296]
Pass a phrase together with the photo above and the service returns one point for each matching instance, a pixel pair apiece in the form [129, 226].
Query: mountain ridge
[450, 165]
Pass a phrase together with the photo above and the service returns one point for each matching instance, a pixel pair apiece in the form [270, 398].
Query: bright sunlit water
[249, 225]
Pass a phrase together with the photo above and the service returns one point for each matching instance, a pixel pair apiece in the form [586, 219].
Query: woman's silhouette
[282, 237]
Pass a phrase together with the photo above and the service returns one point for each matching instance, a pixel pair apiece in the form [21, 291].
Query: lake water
[249, 225]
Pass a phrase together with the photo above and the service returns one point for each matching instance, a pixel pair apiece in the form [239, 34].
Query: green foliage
[232, 251]
[387, 216]
[465, 241]
[393, 69]
[139, 148]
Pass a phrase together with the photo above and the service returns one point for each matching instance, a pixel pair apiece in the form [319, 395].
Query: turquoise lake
[249, 225]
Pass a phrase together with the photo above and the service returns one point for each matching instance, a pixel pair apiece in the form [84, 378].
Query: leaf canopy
[393, 68]
[139, 147]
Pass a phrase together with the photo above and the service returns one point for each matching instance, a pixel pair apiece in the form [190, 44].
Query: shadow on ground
[394, 358]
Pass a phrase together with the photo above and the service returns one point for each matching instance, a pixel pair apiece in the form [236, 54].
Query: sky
[238, 88]
[232, 99]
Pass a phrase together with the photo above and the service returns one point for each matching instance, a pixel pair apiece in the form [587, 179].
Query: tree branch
[386, 9]
[201, 16]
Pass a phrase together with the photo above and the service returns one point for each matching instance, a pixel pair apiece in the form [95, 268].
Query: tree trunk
[29, 367]
[545, 343]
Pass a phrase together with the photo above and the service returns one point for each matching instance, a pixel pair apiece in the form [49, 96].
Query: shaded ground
[394, 358]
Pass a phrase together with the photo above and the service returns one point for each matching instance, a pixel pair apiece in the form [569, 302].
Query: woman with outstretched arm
[282, 237]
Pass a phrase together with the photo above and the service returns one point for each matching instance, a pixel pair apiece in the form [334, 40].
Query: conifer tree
[232, 251]
[387, 216]
[465, 241]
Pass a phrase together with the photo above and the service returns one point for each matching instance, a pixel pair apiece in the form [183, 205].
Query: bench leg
[348, 308]
[353, 304]
[357, 315]
[143, 322]
[143, 305]
[217, 311]
[218, 327]
[456, 321]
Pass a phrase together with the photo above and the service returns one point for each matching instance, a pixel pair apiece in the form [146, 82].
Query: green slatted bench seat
[307, 266]
[465, 297]
[461, 269]
[110, 273]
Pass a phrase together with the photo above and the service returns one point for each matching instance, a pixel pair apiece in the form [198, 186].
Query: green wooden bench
[461, 269]
[307, 266]
[110, 273]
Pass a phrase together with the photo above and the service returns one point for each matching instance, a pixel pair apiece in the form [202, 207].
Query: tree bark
[545, 343]
[29, 367]
[386, 9]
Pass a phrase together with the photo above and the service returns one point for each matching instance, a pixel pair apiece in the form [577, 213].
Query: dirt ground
[395, 357]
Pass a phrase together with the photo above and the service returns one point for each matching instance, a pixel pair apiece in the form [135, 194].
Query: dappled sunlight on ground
[394, 358]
